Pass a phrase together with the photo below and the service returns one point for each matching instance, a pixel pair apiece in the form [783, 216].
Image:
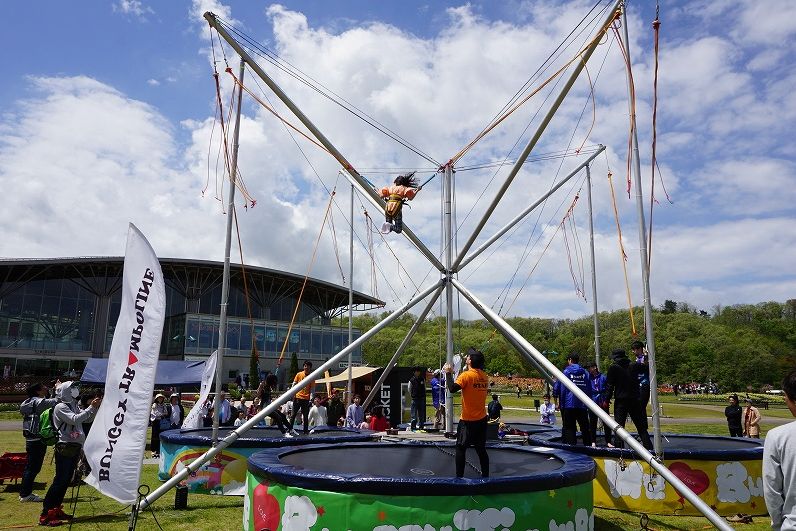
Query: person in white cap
[68, 419]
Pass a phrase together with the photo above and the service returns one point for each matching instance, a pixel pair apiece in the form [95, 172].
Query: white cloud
[121, 160]
[132, 7]
[769, 22]
[153, 82]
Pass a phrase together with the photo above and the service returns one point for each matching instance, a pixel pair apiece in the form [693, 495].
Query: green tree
[294, 368]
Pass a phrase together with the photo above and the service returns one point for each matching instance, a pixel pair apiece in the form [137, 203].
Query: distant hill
[738, 347]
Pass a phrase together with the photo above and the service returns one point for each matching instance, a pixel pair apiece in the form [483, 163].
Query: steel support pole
[528, 210]
[361, 182]
[350, 298]
[636, 446]
[596, 318]
[642, 242]
[270, 408]
[405, 343]
[447, 240]
[222, 319]
[532, 143]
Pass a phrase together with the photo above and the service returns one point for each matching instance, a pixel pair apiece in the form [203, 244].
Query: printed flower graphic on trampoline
[735, 484]
[486, 520]
[584, 521]
[299, 515]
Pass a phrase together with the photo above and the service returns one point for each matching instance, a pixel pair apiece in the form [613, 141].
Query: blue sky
[109, 105]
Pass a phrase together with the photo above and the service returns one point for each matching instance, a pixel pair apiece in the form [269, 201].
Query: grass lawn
[10, 415]
[97, 512]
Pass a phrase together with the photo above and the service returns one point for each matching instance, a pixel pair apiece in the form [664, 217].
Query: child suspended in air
[402, 190]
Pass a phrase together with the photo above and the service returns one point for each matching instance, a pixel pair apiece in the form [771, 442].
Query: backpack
[47, 430]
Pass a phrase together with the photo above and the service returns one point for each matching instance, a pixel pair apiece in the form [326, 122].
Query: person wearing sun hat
[158, 412]
[751, 420]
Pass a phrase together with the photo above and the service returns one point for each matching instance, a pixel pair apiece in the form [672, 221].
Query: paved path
[10, 425]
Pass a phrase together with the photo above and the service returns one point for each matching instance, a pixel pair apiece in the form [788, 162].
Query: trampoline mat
[684, 442]
[708, 443]
[532, 428]
[419, 469]
[266, 436]
[674, 446]
[420, 461]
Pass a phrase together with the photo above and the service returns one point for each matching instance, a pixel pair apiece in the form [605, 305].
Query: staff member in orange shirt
[302, 399]
[474, 384]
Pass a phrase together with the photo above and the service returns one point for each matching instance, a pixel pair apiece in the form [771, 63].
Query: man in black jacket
[622, 384]
[417, 390]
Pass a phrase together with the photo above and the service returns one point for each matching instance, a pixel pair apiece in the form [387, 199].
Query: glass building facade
[54, 314]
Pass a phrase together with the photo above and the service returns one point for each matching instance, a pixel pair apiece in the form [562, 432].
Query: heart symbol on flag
[696, 480]
[131, 358]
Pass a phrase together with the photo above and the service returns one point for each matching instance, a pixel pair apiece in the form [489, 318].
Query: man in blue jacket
[598, 396]
[573, 411]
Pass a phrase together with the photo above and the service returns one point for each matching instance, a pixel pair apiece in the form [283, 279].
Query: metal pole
[394, 360]
[636, 446]
[447, 239]
[528, 210]
[532, 143]
[546, 375]
[361, 182]
[350, 298]
[270, 408]
[593, 272]
[222, 318]
[645, 272]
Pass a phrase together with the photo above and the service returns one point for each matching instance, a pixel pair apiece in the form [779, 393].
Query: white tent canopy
[356, 372]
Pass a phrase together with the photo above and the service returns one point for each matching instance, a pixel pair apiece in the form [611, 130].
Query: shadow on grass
[603, 524]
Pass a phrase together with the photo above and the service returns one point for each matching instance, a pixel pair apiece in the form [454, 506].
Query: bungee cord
[505, 114]
[518, 101]
[273, 58]
[623, 255]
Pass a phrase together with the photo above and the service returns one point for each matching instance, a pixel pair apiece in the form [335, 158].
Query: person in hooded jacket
[573, 411]
[598, 396]
[36, 403]
[438, 398]
[621, 384]
[68, 420]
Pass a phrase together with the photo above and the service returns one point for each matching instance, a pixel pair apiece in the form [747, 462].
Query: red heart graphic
[266, 508]
[131, 359]
[696, 480]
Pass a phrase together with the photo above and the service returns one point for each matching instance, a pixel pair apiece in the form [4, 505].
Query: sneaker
[294, 433]
[386, 228]
[60, 514]
[287, 435]
[50, 519]
[31, 498]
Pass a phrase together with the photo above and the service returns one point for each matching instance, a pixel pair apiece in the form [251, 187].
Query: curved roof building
[55, 313]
